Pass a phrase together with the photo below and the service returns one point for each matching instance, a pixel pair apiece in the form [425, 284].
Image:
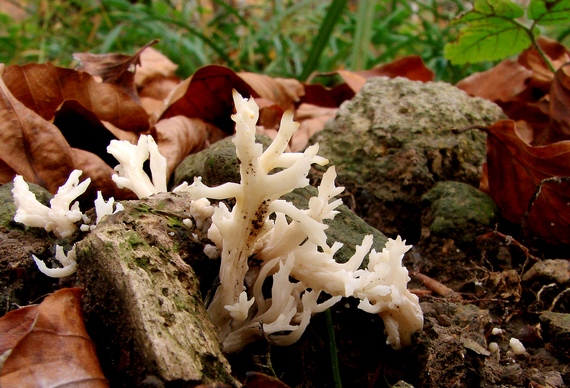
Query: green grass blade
[333, 349]
[319, 43]
[361, 49]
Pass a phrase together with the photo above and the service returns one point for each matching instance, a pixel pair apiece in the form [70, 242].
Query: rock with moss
[458, 211]
[142, 299]
[393, 141]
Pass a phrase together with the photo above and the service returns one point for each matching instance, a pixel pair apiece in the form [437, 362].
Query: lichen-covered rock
[457, 210]
[393, 141]
[142, 301]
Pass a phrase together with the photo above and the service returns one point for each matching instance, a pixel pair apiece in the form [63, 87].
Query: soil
[491, 288]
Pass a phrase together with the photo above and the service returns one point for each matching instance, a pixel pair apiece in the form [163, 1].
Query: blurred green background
[278, 38]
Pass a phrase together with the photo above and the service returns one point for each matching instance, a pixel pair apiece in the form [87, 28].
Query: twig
[436, 286]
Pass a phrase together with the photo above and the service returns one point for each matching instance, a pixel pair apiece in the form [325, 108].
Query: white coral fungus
[67, 261]
[130, 173]
[292, 245]
[60, 217]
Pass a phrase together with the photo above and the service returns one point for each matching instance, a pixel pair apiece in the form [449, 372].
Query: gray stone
[548, 271]
[556, 331]
[143, 301]
[458, 211]
[393, 141]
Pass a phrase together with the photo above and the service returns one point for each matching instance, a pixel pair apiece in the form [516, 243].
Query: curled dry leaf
[54, 349]
[284, 92]
[43, 88]
[560, 105]
[541, 75]
[179, 136]
[114, 69]
[500, 83]
[208, 95]
[32, 146]
[410, 67]
[312, 119]
[514, 172]
[154, 65]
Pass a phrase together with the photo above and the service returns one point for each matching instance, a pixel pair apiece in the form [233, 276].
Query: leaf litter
[55, 120]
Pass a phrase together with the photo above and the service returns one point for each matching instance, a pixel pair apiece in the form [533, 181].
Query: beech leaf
[44, 87]
[56, 350]
[514, 172]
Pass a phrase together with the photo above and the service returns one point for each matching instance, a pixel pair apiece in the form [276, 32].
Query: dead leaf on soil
[515, 170]
[43, 88]
[502, 82]
[208, 95]
[30, 145]
[180, 136]
[410, 67]
[53, 349]
[114, 69]
[313, 119]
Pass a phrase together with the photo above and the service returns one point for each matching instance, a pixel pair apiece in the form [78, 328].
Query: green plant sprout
[497, 29]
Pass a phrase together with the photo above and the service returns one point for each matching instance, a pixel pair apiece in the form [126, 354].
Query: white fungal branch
[292, 244]
[61, 216]
[130, 173]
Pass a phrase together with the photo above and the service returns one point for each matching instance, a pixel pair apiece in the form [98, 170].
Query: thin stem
[539, 49]
[333, 350]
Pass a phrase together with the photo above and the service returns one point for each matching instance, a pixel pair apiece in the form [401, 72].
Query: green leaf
[548, 13]
[491, 33]
[501, 8]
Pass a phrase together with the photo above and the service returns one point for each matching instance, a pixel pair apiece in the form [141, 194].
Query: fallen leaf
[154, 65]
[261, 380]
[502, 82]
[317, 94]
[14, 325]
[114, 69]
[560, 106]
[313, 119]
[514, 171]
[541, 74]
[56, 351]
[83, 130]
[30, 145]
[42, 88]
[410, 67]
[179, 136]
[208, 95]
[284, 92]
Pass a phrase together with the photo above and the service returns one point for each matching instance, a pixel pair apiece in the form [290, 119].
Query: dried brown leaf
[42, 88]
[179, 136]
[208, 95]
[313, 119]
[500, 83]
[30, 145]
[114, 69]
[57, 350]
[410, 67]
[284, 92]
[541, 75]
[154, 65]
[14, 325]
[560, 106]
[514, 172]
